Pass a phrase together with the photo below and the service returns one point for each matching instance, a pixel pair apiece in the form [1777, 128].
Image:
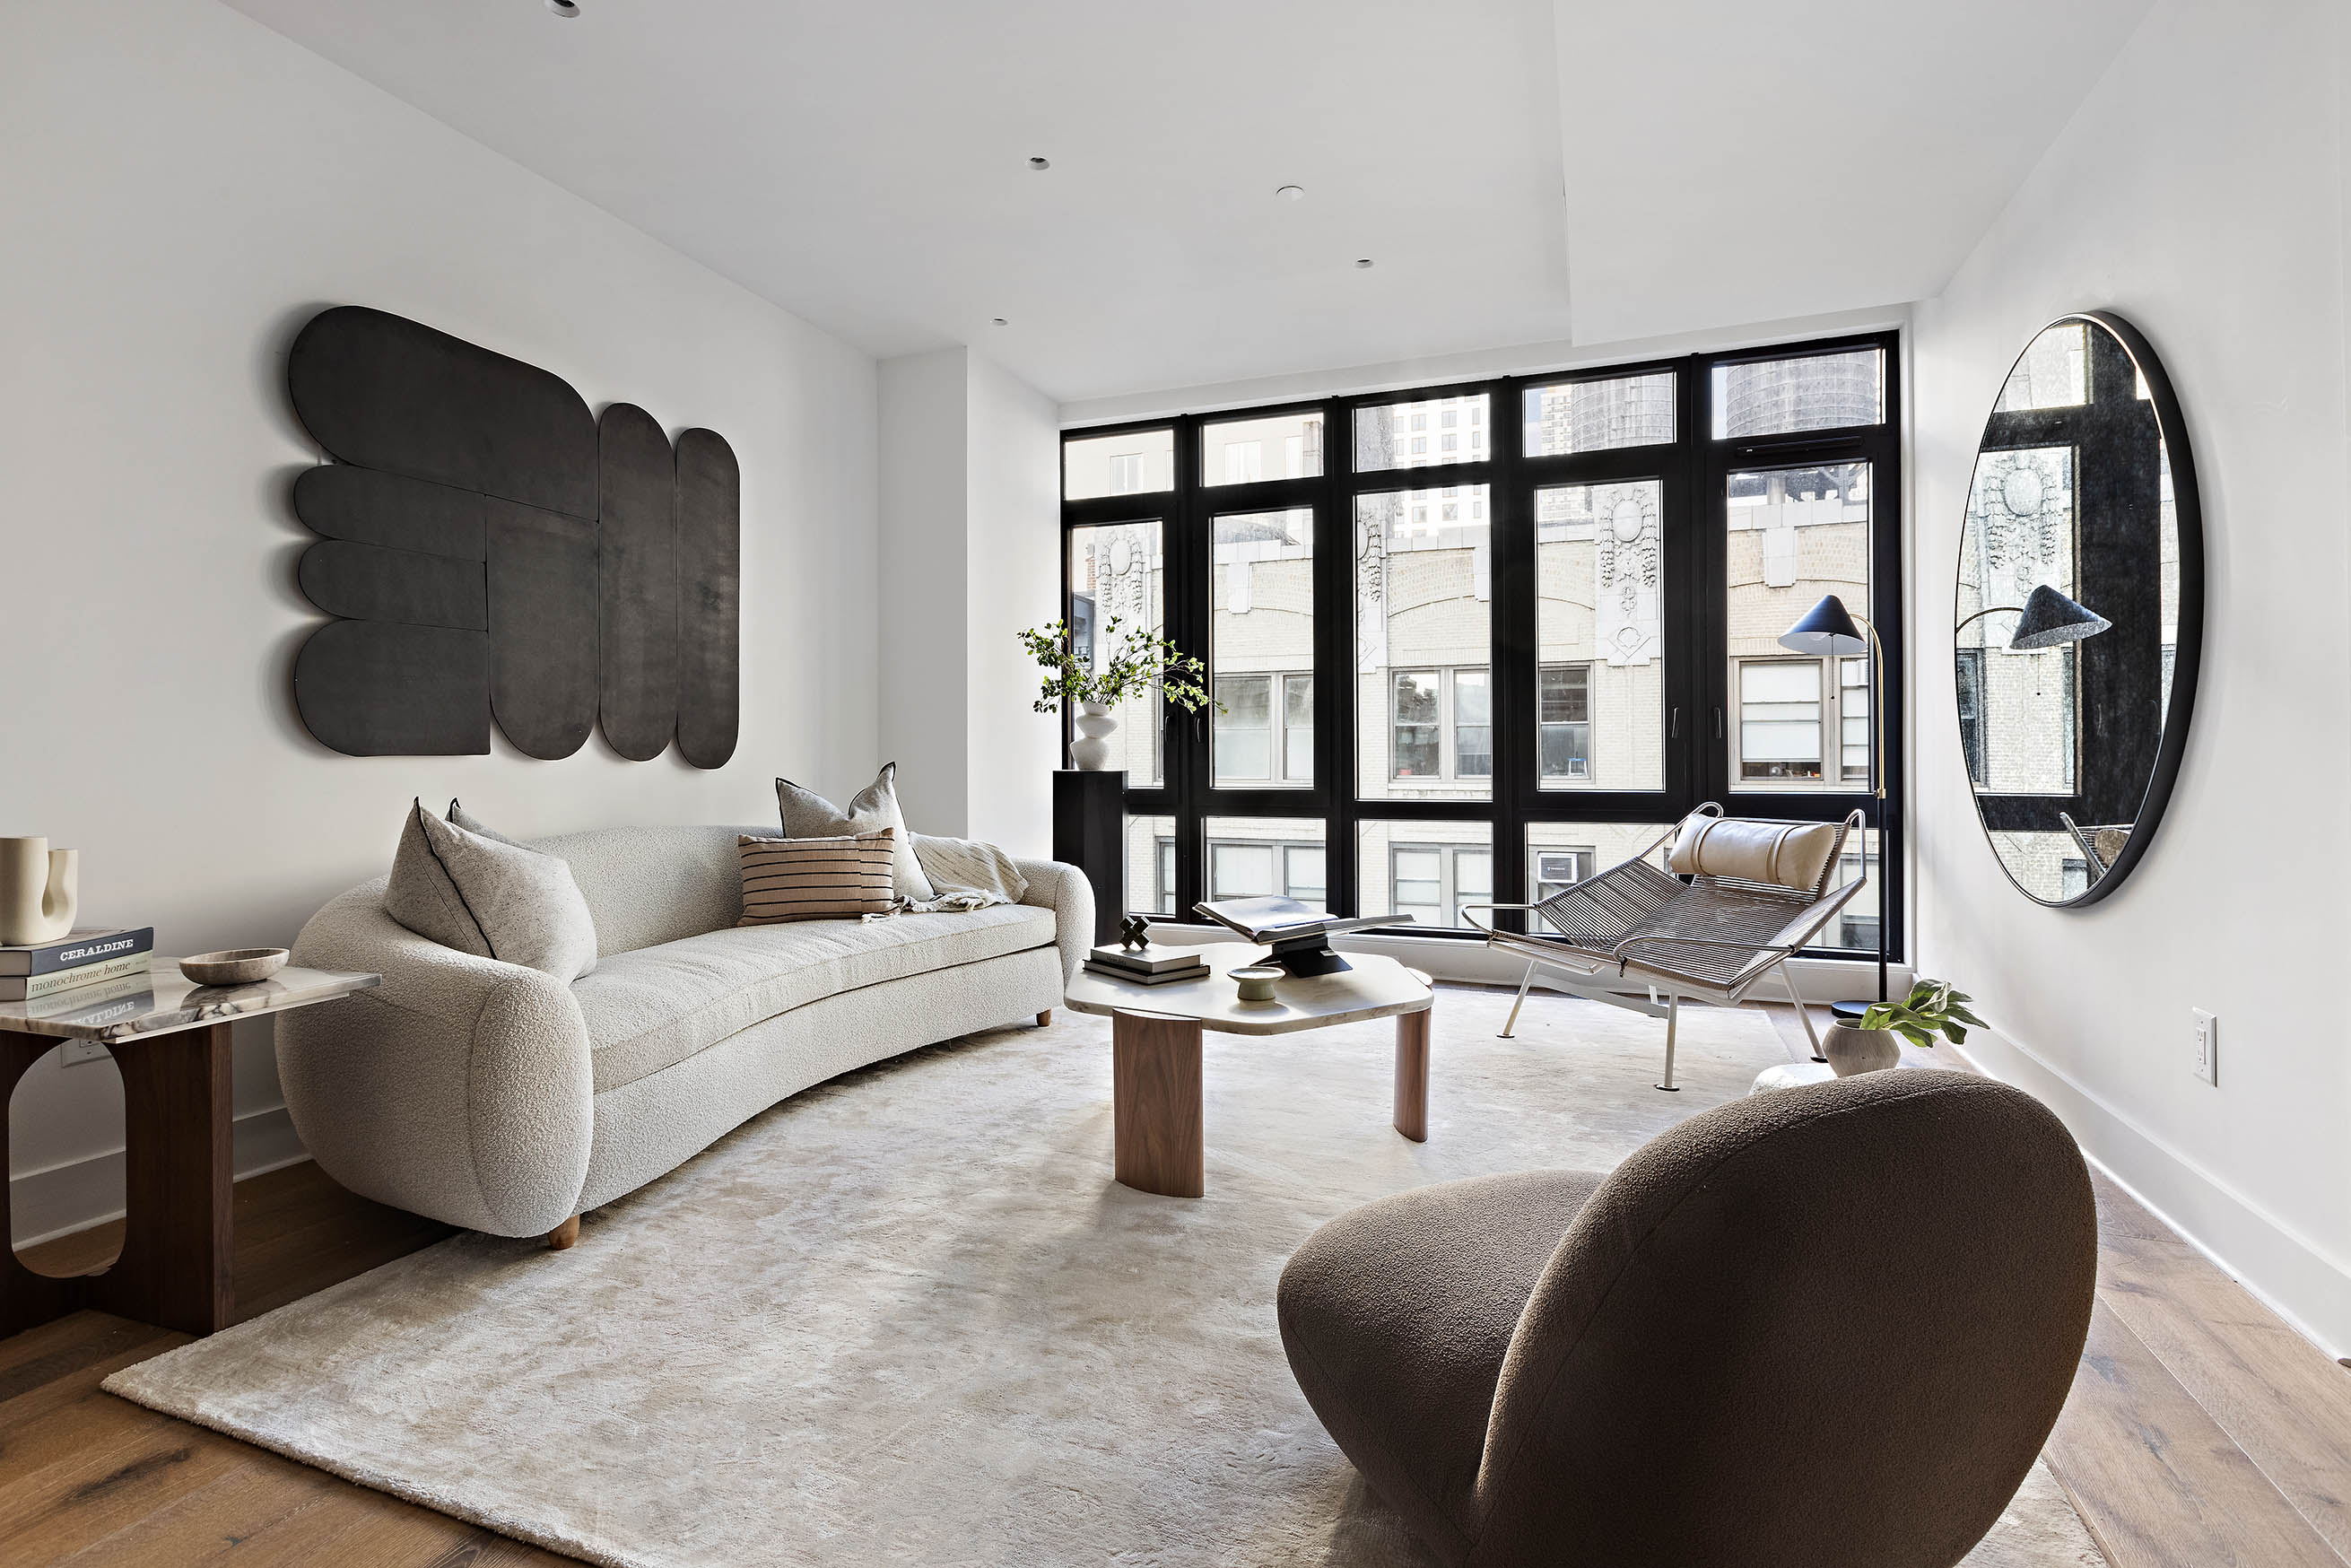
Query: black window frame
[1697, 698]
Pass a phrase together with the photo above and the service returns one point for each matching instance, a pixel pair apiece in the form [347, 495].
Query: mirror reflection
[2067, 616]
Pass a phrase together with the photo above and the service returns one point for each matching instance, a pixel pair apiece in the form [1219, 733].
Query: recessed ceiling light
[1363, 261]
[1040, 164]
[1002, 321]
[1291, 192]
[563, 8]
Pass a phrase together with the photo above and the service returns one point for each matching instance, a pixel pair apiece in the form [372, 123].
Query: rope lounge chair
[1697, 933]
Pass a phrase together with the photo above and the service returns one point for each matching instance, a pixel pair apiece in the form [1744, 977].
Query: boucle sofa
[494, 1097]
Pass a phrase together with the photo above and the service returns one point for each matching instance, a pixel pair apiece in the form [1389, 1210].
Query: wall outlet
[2207, 1046]
[78, 1051]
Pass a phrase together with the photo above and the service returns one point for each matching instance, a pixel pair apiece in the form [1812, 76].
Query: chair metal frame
[1707, 938]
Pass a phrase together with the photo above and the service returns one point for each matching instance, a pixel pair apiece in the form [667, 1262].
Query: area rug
[908, 1318]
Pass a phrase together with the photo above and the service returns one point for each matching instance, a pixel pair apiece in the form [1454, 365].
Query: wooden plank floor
[88, 1478]
[2202, 1432]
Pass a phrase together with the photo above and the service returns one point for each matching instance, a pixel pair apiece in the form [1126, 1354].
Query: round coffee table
[1160, 1136]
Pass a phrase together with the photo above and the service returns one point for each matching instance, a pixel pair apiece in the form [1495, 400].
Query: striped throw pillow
[816, 879]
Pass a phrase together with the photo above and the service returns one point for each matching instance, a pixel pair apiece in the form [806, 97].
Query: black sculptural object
[491, 550]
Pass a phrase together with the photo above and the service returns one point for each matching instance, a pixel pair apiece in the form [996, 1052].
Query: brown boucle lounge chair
[1828, 1326]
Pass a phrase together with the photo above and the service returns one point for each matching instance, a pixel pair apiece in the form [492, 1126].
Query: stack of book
[91, 956]
[1150, 965]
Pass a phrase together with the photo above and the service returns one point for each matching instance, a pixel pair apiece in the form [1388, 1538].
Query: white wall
[970, 542]
[1015, 543]
[2201, 192]
[923, 617]
[180, 189]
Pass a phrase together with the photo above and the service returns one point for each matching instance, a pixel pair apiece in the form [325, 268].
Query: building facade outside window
[1431, 883]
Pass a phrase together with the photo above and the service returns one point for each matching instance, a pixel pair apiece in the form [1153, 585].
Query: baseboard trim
[60, 1199]
[2288, 1272]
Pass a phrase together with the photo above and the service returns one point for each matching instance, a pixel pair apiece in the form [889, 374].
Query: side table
[171, 1040]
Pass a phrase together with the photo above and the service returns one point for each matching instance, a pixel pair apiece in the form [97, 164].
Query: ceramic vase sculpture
[1851, 1050]
[1090, 751]
[38, 889]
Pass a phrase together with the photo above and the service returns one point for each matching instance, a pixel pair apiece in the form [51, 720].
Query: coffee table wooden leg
[1155, 1104]
[1412, 1074]
[178, 1178]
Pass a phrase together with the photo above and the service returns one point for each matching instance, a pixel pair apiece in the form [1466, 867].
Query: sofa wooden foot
[564, 1236]
[1045, 1017]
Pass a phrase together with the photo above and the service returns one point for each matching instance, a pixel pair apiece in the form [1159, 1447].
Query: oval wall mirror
[2079, 609]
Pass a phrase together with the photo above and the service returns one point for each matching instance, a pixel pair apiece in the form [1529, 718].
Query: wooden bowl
[234, 965]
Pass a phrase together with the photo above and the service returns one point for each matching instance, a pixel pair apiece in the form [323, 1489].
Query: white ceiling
[1709, 163]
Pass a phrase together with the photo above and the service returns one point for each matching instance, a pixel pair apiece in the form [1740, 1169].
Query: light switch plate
[78, 1051]
[2207, 1046]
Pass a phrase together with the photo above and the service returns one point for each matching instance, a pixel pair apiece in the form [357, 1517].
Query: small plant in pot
[1137, 660]
[1932, 1007]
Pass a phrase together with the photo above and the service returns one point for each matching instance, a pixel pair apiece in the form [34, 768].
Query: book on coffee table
[1150, 960]
[1136, 978]
[1272, 918]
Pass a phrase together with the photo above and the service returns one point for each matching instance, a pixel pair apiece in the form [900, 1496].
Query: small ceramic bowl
[234, 965]
[1256, 981]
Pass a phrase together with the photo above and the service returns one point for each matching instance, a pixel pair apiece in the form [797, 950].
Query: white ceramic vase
[39, 887]
[1851, 1050]
[1090, 751]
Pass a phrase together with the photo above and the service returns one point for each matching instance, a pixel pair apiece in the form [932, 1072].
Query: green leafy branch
[1138, 661]
[1932, 1006]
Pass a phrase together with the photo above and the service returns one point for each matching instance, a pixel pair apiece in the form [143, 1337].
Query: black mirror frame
[2188, 655]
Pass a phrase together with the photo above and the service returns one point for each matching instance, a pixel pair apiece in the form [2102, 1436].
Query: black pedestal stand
[1305, 956]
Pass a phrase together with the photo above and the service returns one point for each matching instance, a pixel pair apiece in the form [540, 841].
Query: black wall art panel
[636, 553]
[373, 688]
[710, 597]
[492, 551]
[386, 393]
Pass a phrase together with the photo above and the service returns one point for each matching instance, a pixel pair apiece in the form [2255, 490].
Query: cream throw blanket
[964, 874]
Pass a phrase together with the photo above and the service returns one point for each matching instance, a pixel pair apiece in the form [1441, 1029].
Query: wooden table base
[174, 1269]
[1158, 1124]
[1412, 1074]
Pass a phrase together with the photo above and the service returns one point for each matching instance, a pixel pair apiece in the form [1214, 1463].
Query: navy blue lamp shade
[1826, 629]
[2049, 618]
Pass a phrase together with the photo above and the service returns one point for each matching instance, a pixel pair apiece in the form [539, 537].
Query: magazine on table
[1273, 918]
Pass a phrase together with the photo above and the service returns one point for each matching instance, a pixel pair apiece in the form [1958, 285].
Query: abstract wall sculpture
[492, 551]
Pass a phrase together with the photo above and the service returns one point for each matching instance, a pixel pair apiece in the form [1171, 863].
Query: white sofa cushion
[808, 815]
[654, 1007]
[489, 897]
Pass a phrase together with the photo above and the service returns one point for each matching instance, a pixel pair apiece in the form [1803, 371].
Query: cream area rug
[908, 1318]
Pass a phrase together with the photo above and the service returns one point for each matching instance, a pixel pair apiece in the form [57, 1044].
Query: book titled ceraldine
[91, 945]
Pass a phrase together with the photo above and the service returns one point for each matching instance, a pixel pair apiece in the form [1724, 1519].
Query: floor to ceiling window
[1472, 643]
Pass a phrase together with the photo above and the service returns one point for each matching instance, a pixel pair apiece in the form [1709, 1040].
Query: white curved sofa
[494, 1097]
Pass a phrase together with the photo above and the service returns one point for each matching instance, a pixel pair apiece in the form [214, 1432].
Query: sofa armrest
[1063, 889]
[462, 1088]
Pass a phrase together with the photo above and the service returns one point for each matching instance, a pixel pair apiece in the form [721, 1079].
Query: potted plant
[1137, 660]
[1932, 1007]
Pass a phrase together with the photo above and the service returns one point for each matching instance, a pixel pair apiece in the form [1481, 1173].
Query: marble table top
[164, 1000]
[1373, 987]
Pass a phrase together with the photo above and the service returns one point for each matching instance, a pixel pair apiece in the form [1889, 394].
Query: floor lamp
[1829, 631]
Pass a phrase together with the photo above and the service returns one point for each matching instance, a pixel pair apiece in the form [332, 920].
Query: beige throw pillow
[491, 899]
[808, 815]
[1790, 854]
[817, 879]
